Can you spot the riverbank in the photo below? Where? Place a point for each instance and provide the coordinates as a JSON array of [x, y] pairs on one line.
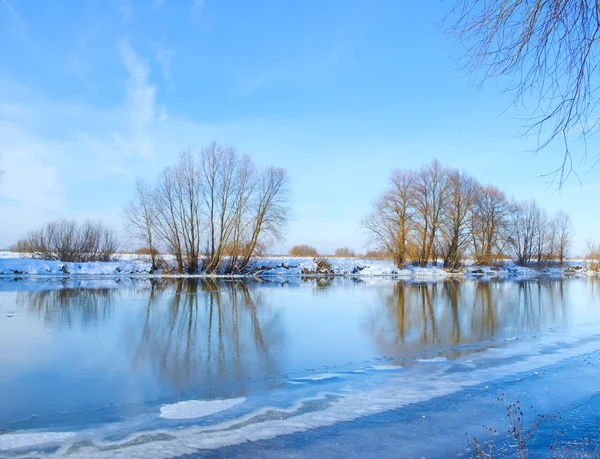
[[11, 264]]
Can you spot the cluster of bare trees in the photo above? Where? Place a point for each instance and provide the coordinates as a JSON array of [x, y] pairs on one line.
[[67, 240], [212, 211], [536, 238], [441, 213]]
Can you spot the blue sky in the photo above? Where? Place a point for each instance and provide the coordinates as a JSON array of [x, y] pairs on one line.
[[95, 93]]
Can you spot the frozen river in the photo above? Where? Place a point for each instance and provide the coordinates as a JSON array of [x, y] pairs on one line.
[[301, 368]]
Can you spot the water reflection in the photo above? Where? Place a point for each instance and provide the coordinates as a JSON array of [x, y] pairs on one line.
[[69, 305], [175, 335], [205, 332], [179, 333], [416, 316]]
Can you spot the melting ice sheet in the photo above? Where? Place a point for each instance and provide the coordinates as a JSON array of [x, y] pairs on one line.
[[189, 366], [302, 408]]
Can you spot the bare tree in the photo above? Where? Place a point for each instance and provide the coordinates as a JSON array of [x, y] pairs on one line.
[[549, 50], [169, 225], [244, 208], [221, 188], [544, 234], [457, 222], [523, 237], [219, 201], [68, 241], [490, 223], [389, 226], [269, 212], [563, 238], [431, 195], [140, 217], [178, 197]]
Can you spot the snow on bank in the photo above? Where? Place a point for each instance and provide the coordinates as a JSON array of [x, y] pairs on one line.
[[273, 267], [31, 267], [294, 266]]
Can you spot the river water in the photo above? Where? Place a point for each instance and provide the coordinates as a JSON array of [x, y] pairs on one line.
[[293, 368]]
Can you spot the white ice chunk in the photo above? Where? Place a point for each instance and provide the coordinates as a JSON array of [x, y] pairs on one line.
[[193, 409], [385, 367]]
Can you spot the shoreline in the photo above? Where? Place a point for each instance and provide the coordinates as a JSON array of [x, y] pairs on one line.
[[272, 268]]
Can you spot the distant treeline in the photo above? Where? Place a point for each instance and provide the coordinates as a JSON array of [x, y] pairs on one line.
[[215, 210], [441, 213]]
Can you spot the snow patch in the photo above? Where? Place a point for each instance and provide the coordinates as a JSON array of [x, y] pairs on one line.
[[318, 377], [193, 409], [385, 367]]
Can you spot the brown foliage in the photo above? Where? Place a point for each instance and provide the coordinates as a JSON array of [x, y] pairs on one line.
[[146, 251], [593, 255], [303, 251], [345, 252], [377, 255], [438, 212]]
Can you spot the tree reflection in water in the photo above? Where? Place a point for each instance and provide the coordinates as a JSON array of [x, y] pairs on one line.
[[70, 304], [191, 332], [452, 312], [206, 332]]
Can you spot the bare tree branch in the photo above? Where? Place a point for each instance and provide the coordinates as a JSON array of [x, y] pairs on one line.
[[549, 49]]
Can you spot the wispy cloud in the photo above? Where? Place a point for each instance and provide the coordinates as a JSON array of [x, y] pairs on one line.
[[158, 3], [125, 9], [76, 66], [164, 56], [197, 7], [140, 103], [16, 16]]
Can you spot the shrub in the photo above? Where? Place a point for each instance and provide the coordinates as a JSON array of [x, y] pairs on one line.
[[345, 252], [377, 255], [303, 251], [146, 251], [593, 255], [67, 240], [323, 266]]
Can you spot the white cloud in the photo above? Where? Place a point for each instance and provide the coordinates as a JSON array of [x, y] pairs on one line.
[[158, 3], [30, 179], [125, 10], [76, 66], [164, 56], [140, 104], [18, 21], [80, 160], [197, 7]]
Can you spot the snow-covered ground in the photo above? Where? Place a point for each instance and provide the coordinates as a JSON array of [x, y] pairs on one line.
[[12, 264]]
